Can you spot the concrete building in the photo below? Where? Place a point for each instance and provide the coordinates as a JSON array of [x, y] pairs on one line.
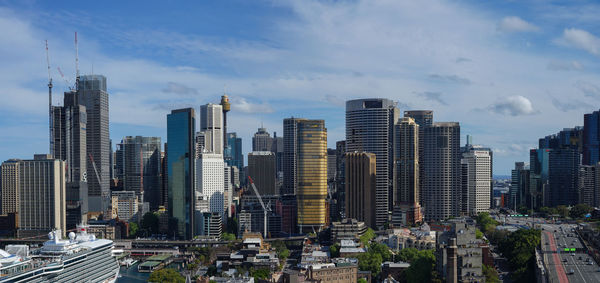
[[312, 175], [180, 169], [290, 155], [340, 178], [423, 118], [460, 254], [442, 169], [563, 167], [42, 192], [347, 229], [138, 165], [519, 186], [406, 171], [211, 122], [91, 93], [210, 225], [277, 148], [589, 185], [262, 140], [244, 222], [476, 179], [210, 181], [10, 185], [370, 128], [262, 170], [125, 205], [361, 187], [591, 138]]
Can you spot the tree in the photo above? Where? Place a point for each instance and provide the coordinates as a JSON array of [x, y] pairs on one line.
[[422, 268], [486, 223], [150, 223], [211, 271], [166, 275], [519, 248], [383, 250], [334, 250], [261, 273], [370, 234], [228, 237], [362, 280], [133, 229], [580, 210], [370, 262], [408, 254], [478, 234], [563, 211], [491, 275]]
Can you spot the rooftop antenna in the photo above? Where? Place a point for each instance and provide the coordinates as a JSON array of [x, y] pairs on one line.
[[76, 64], [50, 122]]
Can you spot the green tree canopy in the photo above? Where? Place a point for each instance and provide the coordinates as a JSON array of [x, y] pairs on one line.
[[370, 262], [408, 254], [261, 273], [362, 280], [491, 275], [580, 210], [563, 211], [519, 248], [150, 223], [422, 267], [383, 250], [334, 250], [166, 275], [370, 234], [485, 222], [133, 229], [228, 237]]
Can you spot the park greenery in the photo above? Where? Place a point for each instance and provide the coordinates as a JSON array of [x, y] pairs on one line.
[[422, 265], [519, 249], [228, 237], [367, 237], [490, 273], [282, 251], [166, 275], [371, 260]]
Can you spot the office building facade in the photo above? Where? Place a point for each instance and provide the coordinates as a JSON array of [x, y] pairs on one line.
[[290, 155], [360, 187], [9, 186], [181, 124], [234, 155], [441, 165], [369, 128], [262, 140], [406, 170], [262, 170], [476, 180], [211, 122], [210, 181]]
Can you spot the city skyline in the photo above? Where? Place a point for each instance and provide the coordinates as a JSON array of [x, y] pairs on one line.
[[494, 67]]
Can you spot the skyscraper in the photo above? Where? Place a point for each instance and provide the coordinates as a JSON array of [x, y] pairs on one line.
[[563, 167], [181, 124], [42, 192], [370, 128], [9, 186], [262, 141], [277, 148], [519, 186], [210, 181], [290, 155], [476, 162], [538, 176], [591, 138], [234, 154], [92, 94], [423, 118], [261, 168], [589, 185], [139, 167], [340, 178], [406, 170], [211, 122], [360, 187], [441, 164], [312, 175]]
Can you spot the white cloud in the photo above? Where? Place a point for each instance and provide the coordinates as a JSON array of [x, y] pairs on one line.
[[588, 89], [513, 105], [242, 105], [516, 24], [581, 39], [564, 66]]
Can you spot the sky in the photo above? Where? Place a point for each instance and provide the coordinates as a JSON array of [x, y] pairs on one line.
[[509, 71]]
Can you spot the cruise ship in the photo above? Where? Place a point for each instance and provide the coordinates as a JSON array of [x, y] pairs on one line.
[[81, 258]]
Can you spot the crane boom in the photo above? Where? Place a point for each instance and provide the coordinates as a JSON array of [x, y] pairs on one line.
[[50, 114], [95, 170], [265, 208]]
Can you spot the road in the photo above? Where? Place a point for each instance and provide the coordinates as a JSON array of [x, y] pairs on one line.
[[571, 266]]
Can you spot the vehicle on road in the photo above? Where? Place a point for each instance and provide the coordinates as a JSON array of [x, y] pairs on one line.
[[571, 271]]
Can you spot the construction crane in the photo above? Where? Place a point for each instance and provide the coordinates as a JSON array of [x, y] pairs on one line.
[[50, 118], [76, 64], [266, 209], [64, 78], [95, 170]]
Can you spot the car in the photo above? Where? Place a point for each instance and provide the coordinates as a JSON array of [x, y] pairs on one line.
[[590, 263], [580, 258], [564, 260], [572, 254], [571, 271], [547, 243]]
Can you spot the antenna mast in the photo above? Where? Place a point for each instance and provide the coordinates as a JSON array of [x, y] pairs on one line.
[[50, 118], [76, 64]]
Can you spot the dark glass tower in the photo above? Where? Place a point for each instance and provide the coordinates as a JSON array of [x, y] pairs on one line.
[[181, 124]]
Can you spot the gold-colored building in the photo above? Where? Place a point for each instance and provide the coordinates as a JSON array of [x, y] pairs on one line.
[[312, 174], [361, 187]]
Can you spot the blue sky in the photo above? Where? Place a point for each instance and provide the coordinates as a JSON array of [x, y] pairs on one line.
[[508, 71]]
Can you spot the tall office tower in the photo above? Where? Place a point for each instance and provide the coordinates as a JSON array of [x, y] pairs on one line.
[[92, 94], [70, 141], [42, 191], [589, 185], [261, 168], [340, 177], [360, 188], [519, 186], [406, 170], [262, 140], [210, 180], [331, 165], [538, 177], [234, 151], [164, 178], [290, 155], [181, 124], [211, 122], [476, 179], [441, 164], [9, 186], [332, 200], [370, 128], [139, 158], [423, 118], [563, 167], [201, 138], [591, 138], [312, 175], [235, 176], [227, 192], [277, 148]]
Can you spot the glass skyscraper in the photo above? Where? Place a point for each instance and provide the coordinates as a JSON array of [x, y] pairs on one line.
[[233, 152], [181, 124]]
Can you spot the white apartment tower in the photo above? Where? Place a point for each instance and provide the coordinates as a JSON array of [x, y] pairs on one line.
[[211, 123], [210, 180]]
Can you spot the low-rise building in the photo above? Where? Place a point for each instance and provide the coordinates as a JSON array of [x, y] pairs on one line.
[[468, 252], [347, 229]]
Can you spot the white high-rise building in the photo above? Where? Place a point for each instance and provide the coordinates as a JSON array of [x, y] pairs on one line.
[[210, 180], [476, 174], [211, 123]]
